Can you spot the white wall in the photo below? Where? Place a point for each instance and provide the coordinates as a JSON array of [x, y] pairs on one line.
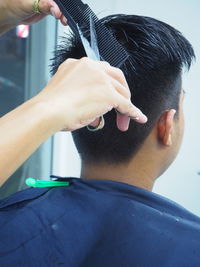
[[181, 182]]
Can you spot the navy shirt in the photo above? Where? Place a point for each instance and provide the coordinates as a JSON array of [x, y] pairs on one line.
[[96, 223]]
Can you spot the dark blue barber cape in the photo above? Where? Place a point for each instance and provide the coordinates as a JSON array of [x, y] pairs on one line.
[[96, 224]]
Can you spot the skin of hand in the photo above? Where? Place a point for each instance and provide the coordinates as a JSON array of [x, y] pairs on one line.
[[80, 92], [15, 12], [92, 88]]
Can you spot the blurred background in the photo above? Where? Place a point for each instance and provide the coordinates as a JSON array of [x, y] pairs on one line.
[[24, 70]]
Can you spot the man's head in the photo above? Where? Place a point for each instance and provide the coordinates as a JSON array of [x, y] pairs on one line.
[[158, 54]]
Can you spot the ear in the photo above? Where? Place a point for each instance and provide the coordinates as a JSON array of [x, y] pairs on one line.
[[165, 127]]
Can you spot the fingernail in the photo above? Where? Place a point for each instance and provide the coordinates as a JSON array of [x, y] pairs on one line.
[[142, 118], [53, 12], [135, 118]]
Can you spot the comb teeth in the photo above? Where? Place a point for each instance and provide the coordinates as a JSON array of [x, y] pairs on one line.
[[109, 48]]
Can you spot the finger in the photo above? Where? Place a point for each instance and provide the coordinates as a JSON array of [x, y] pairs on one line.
[[95, 123], [120, 88], [122, 122], [63, 20], [125, 107], [55, 11], [50, 7], [118, 75], [68, 64]]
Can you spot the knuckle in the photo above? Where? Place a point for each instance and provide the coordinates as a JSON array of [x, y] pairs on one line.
[[60, 67], [67, 62], [87, 63], [119, 72], [70, 60], [105, 63], [84, 59]]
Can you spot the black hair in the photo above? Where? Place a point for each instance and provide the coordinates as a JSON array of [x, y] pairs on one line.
[[158, 53]]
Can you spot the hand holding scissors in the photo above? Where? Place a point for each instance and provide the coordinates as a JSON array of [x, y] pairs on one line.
[[92, 52]]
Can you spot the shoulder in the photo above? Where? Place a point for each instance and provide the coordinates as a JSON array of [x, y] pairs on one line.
[[19, 221], [21, 196]]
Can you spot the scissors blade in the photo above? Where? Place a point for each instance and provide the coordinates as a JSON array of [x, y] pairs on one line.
[[88, 50], [91, 49]]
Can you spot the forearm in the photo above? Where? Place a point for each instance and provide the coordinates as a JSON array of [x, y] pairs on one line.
[[12, 12], [5, 17], [22, 132], [65, 103]]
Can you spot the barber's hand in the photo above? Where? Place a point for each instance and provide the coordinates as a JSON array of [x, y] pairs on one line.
[[21, 11], [83, 90]]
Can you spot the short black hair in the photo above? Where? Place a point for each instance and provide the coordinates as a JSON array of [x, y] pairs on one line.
[[158, 53]]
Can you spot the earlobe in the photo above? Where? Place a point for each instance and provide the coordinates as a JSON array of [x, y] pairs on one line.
[[165, 127], [168, 141]]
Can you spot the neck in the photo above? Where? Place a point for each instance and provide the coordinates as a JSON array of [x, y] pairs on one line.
[[142, 170], [133, 173]]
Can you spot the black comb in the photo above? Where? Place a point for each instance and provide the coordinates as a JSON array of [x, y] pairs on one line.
[[79, 13]]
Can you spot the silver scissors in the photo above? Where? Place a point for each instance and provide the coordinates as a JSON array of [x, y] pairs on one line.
[[92, 51]]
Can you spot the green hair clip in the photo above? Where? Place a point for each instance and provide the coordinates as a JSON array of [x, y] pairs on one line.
[[43, 183]]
